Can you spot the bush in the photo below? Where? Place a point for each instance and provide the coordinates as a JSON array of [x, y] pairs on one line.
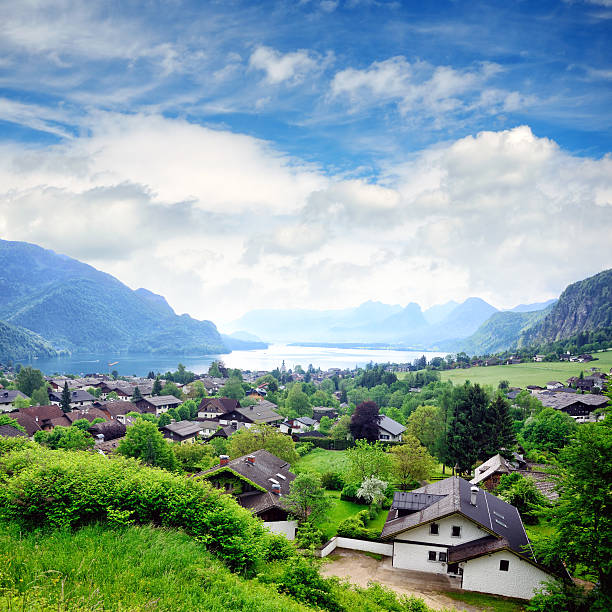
[[349, 493], [303, 448], [355, 527], [332, 481], [61, 489], [308, 535]]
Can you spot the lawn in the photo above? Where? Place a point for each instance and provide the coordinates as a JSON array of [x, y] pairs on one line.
[[486, 602], [529, 373], [320, 460]]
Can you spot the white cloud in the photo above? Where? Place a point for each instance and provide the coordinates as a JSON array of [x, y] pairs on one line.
[[279, 67]]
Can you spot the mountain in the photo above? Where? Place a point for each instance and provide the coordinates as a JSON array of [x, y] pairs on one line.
[[243, 341], [436, 314], [533, 307], [583, 306], [18, 343], [78, 308], [500, 332]]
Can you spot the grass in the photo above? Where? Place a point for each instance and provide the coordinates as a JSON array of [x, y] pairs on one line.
[[528, 373], [135, 568], [320, 460], [491, 603]]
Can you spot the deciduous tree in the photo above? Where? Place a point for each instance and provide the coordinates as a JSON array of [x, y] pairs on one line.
[[306, 499], [29, 379], [411, 462], [366, 460], [364, 422], [145, 442]]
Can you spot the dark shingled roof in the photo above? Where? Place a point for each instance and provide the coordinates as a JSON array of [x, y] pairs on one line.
[[8, 396], [26, 421], [9, 431], [453, 496], [218, 404], [184, 428], [118, 408], [43, 413], [110, 430], [262, 412]]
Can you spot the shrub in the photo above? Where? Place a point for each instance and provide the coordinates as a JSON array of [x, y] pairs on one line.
[[355, 527], [349, 493], [333, 481], [308, 535], [303, 448]]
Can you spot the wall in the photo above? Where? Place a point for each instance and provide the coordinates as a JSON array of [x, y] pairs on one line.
[[286, 528], [381, 548], [469, 531], [521, 580], [416, 557]]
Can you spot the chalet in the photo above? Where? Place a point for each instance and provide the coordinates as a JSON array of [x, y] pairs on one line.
[[183, 431], [554, 384], [42, 415], [10, 431], [118, 410], [225, 431], [78, 397], [8, 397], [258, 482], [262, 412], [488, 474], [88, 413], [390, 430], [215, 407], [299, 425], [158, 404], [452, 527], [580, 407]]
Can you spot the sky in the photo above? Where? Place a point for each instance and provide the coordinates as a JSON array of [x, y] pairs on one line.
[[235, 155]]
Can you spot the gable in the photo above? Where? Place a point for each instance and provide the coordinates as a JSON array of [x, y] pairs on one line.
[[469, 530]]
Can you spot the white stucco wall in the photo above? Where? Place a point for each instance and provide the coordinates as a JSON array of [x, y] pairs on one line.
[[469, 531], [416, 557], [382, 548], [286, 528], [521, 580]]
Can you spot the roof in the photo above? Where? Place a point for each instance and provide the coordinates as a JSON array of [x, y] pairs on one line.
[[562, 400], [8, 396], [162, 400], [9, 431], [118, 408], [453, 496], [307, 421], [219, 404], [184, 428], [110, 430], [76, 395], [26, 421], [43, 413], [393, 427], [260, 412], [496, 464], [227, 430], [87, 413]]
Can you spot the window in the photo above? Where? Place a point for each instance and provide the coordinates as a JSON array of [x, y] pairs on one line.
[[504, 565], [456, 531], [442, 557], [432, 555], [384, 437], [434, 529]]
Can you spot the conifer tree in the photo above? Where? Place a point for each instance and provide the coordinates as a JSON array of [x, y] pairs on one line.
[[157, 387], [65, 402], [137, 395]]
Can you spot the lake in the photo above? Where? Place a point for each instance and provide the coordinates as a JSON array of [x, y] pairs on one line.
[[261, 359]]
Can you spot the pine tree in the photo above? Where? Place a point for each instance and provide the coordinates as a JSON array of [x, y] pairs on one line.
[[502, 425], [65, 402], [157, 387], [137, 395]]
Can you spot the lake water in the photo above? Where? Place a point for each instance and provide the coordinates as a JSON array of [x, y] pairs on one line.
[[262, 359]]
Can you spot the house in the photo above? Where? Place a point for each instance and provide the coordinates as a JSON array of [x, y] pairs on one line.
[[118, 410], [258, 482], [453, 527], [390, 430], [89, 413], [492, 361], [513, 360], [214, 407], [300, 425], [225, 431], [554, 384], [42, 415], [109, 430], [8, 397], [10, 431], [262, 412], [78, 397], [158, 404], [28, 422], [489, 473], [539, 358], [580, 407], [320, 411], [183, 431]]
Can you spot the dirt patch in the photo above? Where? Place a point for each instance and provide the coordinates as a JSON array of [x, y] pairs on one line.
[[359, 569]]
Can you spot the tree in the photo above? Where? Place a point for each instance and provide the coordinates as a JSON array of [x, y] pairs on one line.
[[297, 401], [522, 493], [214, 370], [426, 423], [65, 401], [411, 462], [325, 425], [198, 390], [246, 441], [82, 424], [498, 433], [372, 490], [233, 388], [341, 429], [366, 460], [67, 438], [29, 379], [581, 517], [164, 419], [40, 397], [306, 499], [364, 422], [184, 412], [549, 430], [145, 442], [171, 389], [21, 402], [137, 395], [157, 387]]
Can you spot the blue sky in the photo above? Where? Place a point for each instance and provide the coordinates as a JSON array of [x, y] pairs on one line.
[[314, 153]]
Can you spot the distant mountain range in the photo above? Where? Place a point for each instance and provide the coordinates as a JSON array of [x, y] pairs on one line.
[[52, 302]]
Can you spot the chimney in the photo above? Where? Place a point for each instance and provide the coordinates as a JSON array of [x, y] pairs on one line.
[[473, 494], [223, 459], [100, 437], [276, 489], [251, 459]]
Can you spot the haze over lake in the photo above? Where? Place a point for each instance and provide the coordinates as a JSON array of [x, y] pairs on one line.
[[263, 359]]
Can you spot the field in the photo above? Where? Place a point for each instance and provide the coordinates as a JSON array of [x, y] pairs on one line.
[[320, 460], [530, 373]]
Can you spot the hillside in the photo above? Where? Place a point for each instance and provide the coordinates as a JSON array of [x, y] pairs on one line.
[[19, 343], [78, 308], [583, 306]]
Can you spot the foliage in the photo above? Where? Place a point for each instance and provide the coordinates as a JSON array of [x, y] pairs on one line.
[[29, 379], [5, 419], [341, 430], [157, 387], [549, 430], [355, 527], [411, 462], [366, 460], [137, 395], [233, 388], [194, 457], [65, 399], [308, 535], [40, 397], [333, 481], [303, 448], [555, 596], [350, 493], [297, 402], [364, 422], [246, 441], [21, 402], [425, 423], [306, 499], [145, 442], [67, 438], [214, 370], [19, 343], [164, 419], [170, 388], [82, 424], [372, 490], [522, 493], [325, 424], [582, 518]]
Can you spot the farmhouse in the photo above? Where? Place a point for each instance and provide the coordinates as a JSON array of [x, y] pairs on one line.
[[258, 482], [580, 407], [158, 404], [452, 527]]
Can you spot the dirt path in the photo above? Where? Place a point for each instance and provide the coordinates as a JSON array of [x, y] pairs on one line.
[[360, 569]]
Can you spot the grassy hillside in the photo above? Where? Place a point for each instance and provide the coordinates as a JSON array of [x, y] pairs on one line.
[[529, 373]]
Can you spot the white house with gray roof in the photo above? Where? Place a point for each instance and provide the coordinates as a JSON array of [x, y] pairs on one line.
[[452, 527], [390, 430]]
